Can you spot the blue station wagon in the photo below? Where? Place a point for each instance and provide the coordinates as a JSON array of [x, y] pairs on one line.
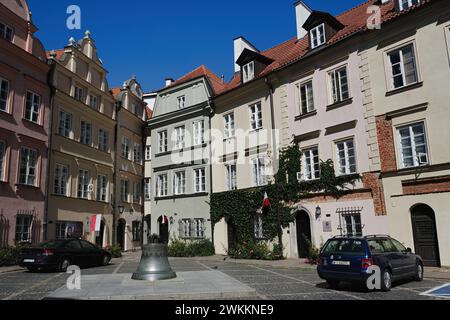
[[349, 258]]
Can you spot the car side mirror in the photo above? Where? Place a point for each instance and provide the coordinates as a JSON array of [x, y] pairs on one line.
[[409, 250]]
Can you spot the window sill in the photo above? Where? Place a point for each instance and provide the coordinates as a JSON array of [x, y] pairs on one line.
[[33, 123], [19, 185], [306, 115], [339, 104], [229, 138], [162, 154], [193, 195], [404, 89], [255, 130]]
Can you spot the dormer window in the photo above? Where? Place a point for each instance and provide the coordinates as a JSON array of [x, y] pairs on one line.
[[248, 72], [6, 32], [317, 35], [406, 4], [181, 102]]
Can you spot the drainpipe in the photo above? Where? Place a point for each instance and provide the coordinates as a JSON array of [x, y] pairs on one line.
[[211, 114], [115, 202]]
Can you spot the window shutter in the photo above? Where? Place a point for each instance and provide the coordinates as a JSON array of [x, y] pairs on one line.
[[181, 229]]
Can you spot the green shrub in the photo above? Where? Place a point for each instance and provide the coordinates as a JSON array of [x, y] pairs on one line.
[[256, 251], [9, 256], [313, 252], [196, 248], [115, 251]]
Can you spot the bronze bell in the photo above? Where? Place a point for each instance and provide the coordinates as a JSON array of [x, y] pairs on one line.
[[154, 264]]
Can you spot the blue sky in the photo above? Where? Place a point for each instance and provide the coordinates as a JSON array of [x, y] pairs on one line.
[[159, 39]]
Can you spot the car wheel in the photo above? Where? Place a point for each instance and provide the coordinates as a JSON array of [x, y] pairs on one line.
[[64, 264], [333, 284], [386, 281], [106, 259], [419, 272]]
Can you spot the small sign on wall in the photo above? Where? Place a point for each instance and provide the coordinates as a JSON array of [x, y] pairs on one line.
[[327, 226]]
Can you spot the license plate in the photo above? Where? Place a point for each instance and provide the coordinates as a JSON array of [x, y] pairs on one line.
[[28, 260], [341, 263]]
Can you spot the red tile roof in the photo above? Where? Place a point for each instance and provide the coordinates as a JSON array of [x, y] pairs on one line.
[[354, 20], [115, 91], [216, 83], [149, 113]]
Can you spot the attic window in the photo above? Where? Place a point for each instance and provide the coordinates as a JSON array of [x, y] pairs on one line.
[[6, 32], [317, 36], [406, 4], [248, 72]]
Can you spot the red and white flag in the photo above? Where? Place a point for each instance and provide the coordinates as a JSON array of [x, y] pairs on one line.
[[165, 220], [266, 203]]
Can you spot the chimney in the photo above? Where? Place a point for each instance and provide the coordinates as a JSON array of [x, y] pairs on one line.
[[240, 44], [169, 81], [302, 13]]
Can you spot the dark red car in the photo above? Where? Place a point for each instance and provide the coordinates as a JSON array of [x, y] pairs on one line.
[[60, 254]]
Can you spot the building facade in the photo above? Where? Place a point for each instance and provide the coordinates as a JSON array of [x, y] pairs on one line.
[[24, 127], [180, 157], [82, 145]]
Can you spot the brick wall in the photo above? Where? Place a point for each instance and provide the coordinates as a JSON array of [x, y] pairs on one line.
[[427, 185], [371, 180], [386, 144]]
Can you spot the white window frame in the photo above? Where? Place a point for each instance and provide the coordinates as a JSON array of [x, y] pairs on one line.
[[346, 168], [336, 85], [61, 181], [103, 140], [162, 185], [200, 180], [199, 228], [309, 172], [126, 148], [94, 101], [102, 188], [24, 225], [180, 137], [179, 182], [65, 124], [162, 141], [181, 102], [86, 133], [199, 132], [318, 36], [4, 28], [401, 63], [148, 153], [256, 117], [125, 191], [229, 126], [231, 169], [248, 72], [33, 107], [28, 174], [353, 225], [259, 172], [5, 100], [79, 93], [415, 155], [147, 188], [84, 180], [309, 107], [2, 159]]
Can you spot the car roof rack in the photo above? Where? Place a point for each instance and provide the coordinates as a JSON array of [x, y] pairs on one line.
[[378, 236]]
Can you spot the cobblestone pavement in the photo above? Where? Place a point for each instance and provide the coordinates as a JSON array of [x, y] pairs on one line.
[[271, 282]]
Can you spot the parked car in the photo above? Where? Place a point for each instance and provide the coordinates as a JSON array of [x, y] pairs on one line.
[[60, 254], [349, 258]]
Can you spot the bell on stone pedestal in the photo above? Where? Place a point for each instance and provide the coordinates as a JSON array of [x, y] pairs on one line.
[[154, 264]]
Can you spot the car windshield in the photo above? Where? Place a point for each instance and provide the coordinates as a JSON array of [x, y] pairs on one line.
[[344, 246], [51, 244]]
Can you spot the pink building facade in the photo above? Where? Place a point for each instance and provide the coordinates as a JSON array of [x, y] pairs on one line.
[[24, 127]]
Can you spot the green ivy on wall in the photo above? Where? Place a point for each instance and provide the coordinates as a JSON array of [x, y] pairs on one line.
[[240, 207]]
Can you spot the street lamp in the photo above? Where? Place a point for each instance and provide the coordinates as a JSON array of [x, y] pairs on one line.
[[318, 212], [121, 209]]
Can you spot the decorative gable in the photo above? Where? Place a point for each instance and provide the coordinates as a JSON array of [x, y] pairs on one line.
[[321, 27], [252, 63]]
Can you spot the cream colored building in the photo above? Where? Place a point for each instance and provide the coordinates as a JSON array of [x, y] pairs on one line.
[[407, 77], [82, 145]]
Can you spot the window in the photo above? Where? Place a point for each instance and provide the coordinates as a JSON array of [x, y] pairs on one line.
[[84, 179], [65, 124], [162, 141], [248, 72], [23, 228], [231, 177], [200, 180], [79, 94], [2, 159], [102, 188], [126, 148], [179, 136], [137, 154], [32, 107], [103, 138], [339, 85], [161, 185], [403, 67], [28, 162], [400, 247], [6, 32], [346, 157], [229, 125], [311, 164], [258, 228], [192, 228], [124, 184], [181, 102], [4, 94], [61, 179], [199, 228], [148, 153], [93, 101], [136, 192], [353, 225], [86, 133], [256, 116], [306, 97], [317, 36], [406, 4], [185, 230], [179, 184], [259, 172], [413, 145], [136, 229], [147, 188], [199, 132]]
